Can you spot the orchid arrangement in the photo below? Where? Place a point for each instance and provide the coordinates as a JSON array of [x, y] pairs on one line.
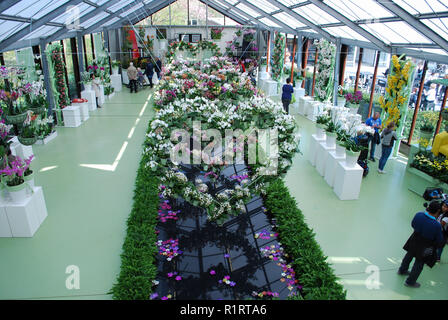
[[14, 171], [216, 33], [325, 68], [355, 98]]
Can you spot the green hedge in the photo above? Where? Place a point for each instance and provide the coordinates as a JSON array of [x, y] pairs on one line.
[[309, 263], [138, 260]]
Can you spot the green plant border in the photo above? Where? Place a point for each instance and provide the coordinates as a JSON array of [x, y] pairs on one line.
[[313, 271]]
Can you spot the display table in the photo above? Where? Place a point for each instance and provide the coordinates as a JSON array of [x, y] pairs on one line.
[[347, 181], [101, 97], [313, 109], [322, 153], [302, 105], [270, 87], [115, 81], [20, 150], [330, 166], [312, 150], [22, 219], [91, 99], [48, 138], [72, 116]]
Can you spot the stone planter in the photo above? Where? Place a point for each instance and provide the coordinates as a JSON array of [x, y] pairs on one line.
[[351, 158], [353, 107], [419, 181], [15, 119], [331, 139], [27, 141], [17, 193], [340, 149], [39, 110]]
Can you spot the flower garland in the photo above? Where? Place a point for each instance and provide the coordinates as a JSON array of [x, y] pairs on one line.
[[193, 49], [279, 56], [325, 69], [220, 97], [58, 64], [395, 101]]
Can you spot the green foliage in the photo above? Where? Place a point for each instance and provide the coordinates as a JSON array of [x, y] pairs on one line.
[[315, 274], [138, 260], [332, 127], [427, 126], [351, 145], [323, 119]]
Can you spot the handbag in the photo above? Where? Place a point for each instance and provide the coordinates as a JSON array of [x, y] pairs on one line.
[[293, 99]]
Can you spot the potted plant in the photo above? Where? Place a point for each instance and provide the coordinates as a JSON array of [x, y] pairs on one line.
[[341, 138], [331, 132], [426, 130], [38, 105], [12, 178], [108, 91], [14, 111], [28, 135], [341, 96], [353, 101], [321, 123], [86, 80], [352, 152], [28, 174], [216, 33], [115, 67]]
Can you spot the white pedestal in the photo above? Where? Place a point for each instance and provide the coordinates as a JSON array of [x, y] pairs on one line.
[[124, 75], [270, 87], [302, 106], [313, 109], [72, 116], [299, 92], [23, 219], [321, 156], [84, 110], [101, 97], [347, 181], [48, 138], [263, 75], [330, 166], [90, 97], [312, 151], [20, 150], [115, 81]]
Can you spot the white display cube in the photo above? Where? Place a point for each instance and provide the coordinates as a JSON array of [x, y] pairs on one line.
[[101, 97], [330, 166], [294, 108], [116, 83], [302, 106], [321, 157], [312, 151], [299, 92], [271, 88], [124, 75], [347, 181], [263, 74], [48, 138], [313, 109], [72, 116], [90, 97], [5, 229], [84, 110]]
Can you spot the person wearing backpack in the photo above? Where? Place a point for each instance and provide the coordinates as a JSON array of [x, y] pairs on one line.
[[388, 136], [443, 220], [422, 244]]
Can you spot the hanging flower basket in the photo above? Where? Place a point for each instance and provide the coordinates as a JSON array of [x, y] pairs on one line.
[[27, 141], [16, 119]]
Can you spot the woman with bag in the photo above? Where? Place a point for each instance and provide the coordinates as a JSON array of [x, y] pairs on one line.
[[388, 136], [287, 92]]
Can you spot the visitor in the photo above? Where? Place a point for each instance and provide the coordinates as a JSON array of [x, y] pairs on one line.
[[96, 87], [388, 136], [150, 72], [158, 68], [287, 92], [431, 97], [132, 75], [141, 78], [375, 123], [443, 220], [422, 244]]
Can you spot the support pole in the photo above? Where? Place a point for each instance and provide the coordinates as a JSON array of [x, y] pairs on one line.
[[46, 72], [439, 122], [343, 64], [336, 70], [316, 57], [293, 56], [76, 69], [268, 54], [81, 53], [419, 99], [361, 51], [306, 43], [372, 90]]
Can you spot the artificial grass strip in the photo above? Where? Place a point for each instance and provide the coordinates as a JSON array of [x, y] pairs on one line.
[[138, 260], [308, 261]]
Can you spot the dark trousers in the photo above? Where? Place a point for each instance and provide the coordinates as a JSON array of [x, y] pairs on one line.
[[133, 85], [150, 80], [372, 147], [286, 105], [158, 75], [385, 153], [416, 269]]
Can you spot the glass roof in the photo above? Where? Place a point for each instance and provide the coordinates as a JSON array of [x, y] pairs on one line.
[[375, 17]]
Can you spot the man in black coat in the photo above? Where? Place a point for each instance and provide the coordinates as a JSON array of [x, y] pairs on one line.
[[158, 67], [422, 244], [149, 71]]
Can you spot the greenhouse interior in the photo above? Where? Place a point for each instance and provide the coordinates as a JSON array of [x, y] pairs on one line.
[[140, 139]]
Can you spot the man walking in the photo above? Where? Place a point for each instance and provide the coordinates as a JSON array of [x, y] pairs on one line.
[[150, 72], [132, 75], [422, 244], [375, 123], [158, 67]]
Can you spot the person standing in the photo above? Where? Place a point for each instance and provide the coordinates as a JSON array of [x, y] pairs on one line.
[[96, 87], [150, 72], [158, 68], [443, 220], [287, 91], [375, 123], [388, 136], [431, 97], [422, 244], [132, 75]]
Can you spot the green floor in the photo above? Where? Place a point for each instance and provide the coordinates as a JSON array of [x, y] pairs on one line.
[[88, 174]]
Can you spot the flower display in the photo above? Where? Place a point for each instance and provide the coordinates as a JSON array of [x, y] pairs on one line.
[[54, 51], [354, 98], [169, 248], [399, 85], [14, 171], [325, 69], [193, 49], [278, 56], [436, 167], [216, 33]]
